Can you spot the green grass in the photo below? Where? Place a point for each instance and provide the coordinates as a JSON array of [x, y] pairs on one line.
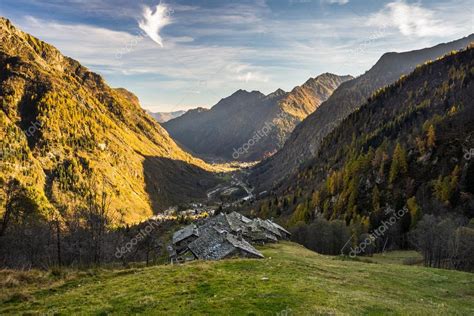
[[291, 279], [398, 257]]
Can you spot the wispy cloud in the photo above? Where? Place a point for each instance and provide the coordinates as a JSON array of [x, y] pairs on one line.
[[340, 2], [251, 76], [215, 49], [411, 20], [247, 73], [154, 21]]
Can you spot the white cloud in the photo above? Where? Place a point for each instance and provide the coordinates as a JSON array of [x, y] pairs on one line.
[[154, 21], [91, 45], [411, 20], [246, 73], [214, 51], [340, 2], [251, 76]]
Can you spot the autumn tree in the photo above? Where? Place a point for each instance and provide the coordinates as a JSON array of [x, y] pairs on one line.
[[431, 137], [301, 214], [444, 187], [399, 164], [415, 211]]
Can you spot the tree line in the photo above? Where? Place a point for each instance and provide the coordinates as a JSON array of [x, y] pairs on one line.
[[89, 237]]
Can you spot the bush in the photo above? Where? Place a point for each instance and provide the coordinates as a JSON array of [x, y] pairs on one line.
[[323, 236], [445, 242]]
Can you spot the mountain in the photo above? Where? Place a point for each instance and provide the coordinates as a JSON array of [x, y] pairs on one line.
[[410, 145], [304, 143], [249, 126], [66, 136], [162, 117]]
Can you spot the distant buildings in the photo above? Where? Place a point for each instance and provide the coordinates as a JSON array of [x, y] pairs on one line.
[[224, 236], [197, 211]]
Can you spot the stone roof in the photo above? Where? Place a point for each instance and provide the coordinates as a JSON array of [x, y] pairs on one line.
[[279, 227], [215, 244], [242, 244], [259, 235], [184, 233], [211, 245], [235, 221], [223, 236], [219, 221], [244, 219], [266, 225]]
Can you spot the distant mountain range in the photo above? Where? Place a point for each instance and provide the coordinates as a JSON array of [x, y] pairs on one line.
[[249, 126], [162, 117], [63, 129], [304, 143]]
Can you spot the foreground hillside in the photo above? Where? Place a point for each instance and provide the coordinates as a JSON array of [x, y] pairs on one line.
[[290, 279], [65, 135], [257, 123]]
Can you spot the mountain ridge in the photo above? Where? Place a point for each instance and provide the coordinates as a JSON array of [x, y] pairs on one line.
[[64, 126], [303, 143], [405, 149], [162, 117], [237, 119]]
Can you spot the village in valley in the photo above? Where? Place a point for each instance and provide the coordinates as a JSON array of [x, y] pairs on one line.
[[215, 230]]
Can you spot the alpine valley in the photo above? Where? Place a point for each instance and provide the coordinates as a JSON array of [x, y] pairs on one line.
[[345, 195]]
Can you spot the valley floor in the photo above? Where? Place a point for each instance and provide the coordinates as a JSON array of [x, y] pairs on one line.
[[291, 280]]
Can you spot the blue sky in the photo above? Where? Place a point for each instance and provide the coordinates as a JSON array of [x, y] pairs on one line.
[[184, 54]]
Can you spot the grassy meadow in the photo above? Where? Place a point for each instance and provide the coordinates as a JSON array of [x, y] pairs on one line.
[[291, 280]]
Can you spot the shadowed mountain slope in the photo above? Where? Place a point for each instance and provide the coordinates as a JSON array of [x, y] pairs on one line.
[[408, 146], [304, 142], [257, 124]]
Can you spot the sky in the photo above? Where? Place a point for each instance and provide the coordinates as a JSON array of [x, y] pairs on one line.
[[180, 54]]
